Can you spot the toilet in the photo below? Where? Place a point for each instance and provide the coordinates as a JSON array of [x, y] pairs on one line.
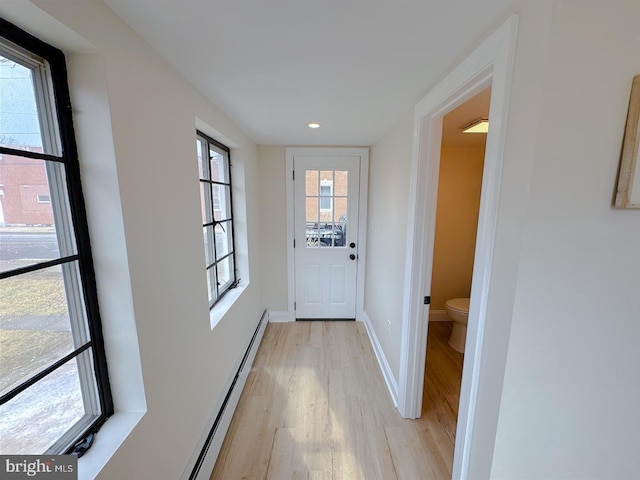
[[458, 311]]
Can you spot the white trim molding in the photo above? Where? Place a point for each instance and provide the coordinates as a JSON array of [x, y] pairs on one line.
[[280, 317], [439, 316], [203, 458], [387, 373], [491, 64], [363, 153]]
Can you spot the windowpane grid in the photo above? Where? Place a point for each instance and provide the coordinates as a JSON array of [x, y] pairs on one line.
[[52, 392], [217, 215], [326, 208]]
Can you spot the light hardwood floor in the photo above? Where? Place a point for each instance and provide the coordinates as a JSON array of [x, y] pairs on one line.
[[316, 407]]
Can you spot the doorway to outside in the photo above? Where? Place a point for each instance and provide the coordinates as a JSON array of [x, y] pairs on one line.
[[326, 213]]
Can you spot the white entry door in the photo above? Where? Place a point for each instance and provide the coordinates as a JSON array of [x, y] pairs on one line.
[[326, 195]]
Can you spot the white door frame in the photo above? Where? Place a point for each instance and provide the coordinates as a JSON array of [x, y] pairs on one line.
[[490, 64], [363, 153]]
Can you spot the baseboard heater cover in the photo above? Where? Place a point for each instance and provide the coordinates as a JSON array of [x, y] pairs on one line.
[[202, 457]]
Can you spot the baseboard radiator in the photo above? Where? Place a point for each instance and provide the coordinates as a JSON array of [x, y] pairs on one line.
[[206, 458]]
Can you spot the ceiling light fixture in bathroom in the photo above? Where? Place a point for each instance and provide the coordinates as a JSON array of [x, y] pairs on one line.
[[313, 125], [480, 125]]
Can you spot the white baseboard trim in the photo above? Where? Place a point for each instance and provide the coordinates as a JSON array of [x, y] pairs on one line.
[[439, 316], [390, 380], [204, 457], [279, 317]]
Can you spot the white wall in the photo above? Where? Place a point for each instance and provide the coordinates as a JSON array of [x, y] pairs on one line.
[[150, 170], [389, 167], [569, 406], [273, 226], [459, 185]]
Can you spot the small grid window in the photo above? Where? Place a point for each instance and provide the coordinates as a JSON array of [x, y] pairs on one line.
[[54, 385], [326, 208], [217, 216]]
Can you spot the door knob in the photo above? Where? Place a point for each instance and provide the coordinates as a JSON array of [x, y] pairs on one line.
[[352, 256], [352, 245]]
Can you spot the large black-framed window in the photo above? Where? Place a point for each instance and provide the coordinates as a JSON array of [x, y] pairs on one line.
[[214, 164], [54, 385]]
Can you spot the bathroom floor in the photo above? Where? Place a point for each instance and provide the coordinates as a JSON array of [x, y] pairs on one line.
[[443, 375]]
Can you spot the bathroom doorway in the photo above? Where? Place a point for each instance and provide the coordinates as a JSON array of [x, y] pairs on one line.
[[458, 203], [490, 64]]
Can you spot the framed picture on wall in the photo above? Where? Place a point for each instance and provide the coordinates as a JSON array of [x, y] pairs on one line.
[[628, 190]]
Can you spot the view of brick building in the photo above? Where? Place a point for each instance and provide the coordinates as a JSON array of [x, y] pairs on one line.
[[326, 206], [25, 198], [24, 192]]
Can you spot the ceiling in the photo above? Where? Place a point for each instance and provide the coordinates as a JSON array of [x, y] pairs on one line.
[[453, 122], [273, 66]]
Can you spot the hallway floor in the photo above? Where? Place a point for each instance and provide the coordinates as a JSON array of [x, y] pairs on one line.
[[316, 407]]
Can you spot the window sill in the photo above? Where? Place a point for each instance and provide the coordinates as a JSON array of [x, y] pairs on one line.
[[108, 440], [221, 308]]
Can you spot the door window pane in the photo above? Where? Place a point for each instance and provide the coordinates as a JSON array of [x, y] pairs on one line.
[[326, 234], [340, 186], [340, 210], [326, 176], [311, 233], [326, 214], [312, 214], [311, 183], [325, 197]]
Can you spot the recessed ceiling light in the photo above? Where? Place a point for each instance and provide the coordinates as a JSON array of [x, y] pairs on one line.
[[313, 125], [480, 125]]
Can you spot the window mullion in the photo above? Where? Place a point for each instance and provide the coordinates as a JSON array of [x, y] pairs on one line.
[[60, 208], [47, 117], [77, 318], [41, 374], [73, 287]]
